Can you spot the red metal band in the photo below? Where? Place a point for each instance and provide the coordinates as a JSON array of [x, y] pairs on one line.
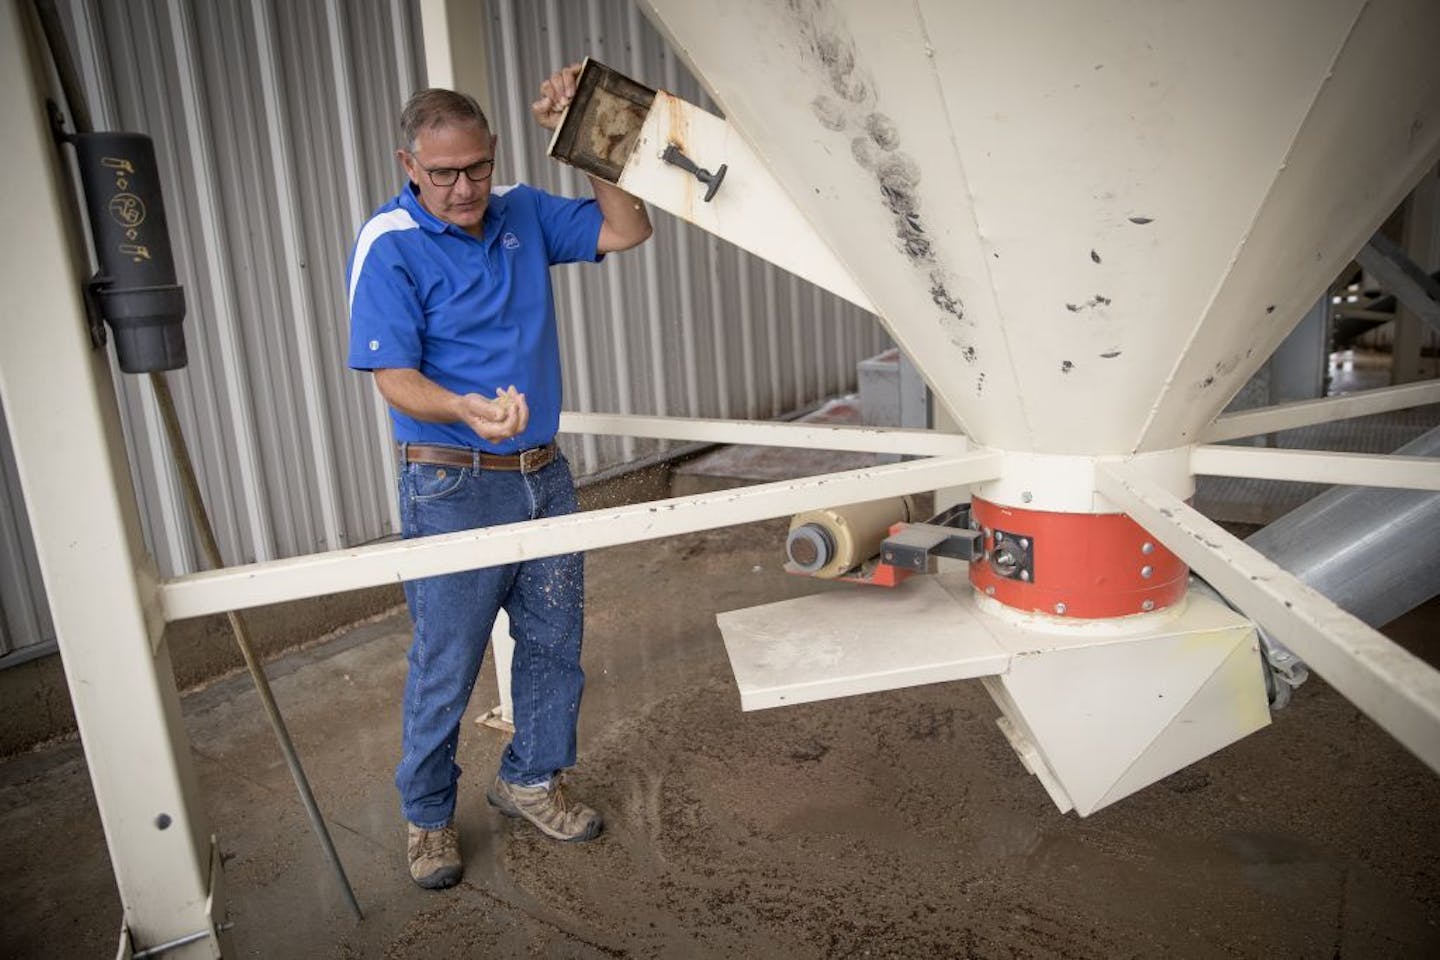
[[1080, 565]]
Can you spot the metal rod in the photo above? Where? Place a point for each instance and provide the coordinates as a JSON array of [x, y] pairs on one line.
[[211, 549], [64, 65], [178, 942]]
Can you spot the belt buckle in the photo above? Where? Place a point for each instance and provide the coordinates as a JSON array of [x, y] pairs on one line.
[[534, 459]]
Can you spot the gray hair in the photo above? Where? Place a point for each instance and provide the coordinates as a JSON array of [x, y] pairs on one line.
[[435, 107]]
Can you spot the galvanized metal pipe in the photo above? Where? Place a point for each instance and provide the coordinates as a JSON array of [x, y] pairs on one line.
[[1372, 551]]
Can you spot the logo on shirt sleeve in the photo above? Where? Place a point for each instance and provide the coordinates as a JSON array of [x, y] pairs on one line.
[[374, 345], [510, 241]]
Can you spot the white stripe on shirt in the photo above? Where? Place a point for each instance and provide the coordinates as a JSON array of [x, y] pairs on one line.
[[374, 229]]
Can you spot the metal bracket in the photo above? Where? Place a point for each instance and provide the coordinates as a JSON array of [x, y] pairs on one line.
[[1283, 670], [94, 316], [947, 534], [216, 933], [1012, 556]]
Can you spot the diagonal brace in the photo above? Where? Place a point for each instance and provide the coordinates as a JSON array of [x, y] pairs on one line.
[[1398, 273], [1394, 688], [251, 585]]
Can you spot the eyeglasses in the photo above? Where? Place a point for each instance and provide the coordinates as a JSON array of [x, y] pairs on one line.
[[477, 172]]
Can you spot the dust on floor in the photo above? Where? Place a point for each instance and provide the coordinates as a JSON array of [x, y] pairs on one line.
[[891, 825]]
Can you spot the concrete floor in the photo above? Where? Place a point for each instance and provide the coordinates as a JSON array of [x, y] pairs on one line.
[[891, 825]]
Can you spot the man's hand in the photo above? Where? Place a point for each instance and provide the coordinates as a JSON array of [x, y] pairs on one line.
[[494, 420], [556, 92]]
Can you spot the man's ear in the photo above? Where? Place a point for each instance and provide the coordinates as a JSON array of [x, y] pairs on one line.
[[408, 163]]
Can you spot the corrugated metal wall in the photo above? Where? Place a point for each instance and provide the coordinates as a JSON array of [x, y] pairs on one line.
[[274, 129], [273, 124]]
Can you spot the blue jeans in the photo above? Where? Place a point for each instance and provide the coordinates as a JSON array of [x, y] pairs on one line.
[[453, 615]]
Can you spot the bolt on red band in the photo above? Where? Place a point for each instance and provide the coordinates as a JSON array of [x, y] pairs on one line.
[[1073, 564]]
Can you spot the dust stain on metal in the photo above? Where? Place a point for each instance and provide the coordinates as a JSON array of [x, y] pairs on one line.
[[943, 298], [1141, 221], [1066, 366], [969, 354], [1094, 256], [980, 385], [896, 173], [830, 113], [1099, 300], [1110, 355], [882, 131]]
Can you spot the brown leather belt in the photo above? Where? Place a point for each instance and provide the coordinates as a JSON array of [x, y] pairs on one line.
[[526, 461]]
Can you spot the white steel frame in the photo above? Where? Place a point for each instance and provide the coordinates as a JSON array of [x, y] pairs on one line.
[[60, 404], [110, 610], [1399, 691]]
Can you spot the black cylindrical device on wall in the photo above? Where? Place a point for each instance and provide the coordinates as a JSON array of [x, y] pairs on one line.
[[135, 288]]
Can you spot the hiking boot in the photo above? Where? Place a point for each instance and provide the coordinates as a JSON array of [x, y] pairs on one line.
[[435, 857], [546, 806]]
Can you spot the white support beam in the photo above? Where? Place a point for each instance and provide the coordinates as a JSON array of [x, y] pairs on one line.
[[454, 34], [1318, 466], [1397, 690], [1288, 416], [59, 401], [805, 436], [236, 588]]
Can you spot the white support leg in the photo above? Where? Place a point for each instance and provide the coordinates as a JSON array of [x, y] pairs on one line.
[[1397, 690], [502, 648], [65, 428]]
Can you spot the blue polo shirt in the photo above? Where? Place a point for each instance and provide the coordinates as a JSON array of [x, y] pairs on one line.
[[472, 315]]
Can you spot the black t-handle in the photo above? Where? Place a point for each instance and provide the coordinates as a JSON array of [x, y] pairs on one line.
[[676, 157]]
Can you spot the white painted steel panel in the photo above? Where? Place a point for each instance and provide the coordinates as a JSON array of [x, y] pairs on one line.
[[857, 640], [1088, 224]]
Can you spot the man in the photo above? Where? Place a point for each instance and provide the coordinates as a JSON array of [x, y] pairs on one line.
[[451, 308]]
